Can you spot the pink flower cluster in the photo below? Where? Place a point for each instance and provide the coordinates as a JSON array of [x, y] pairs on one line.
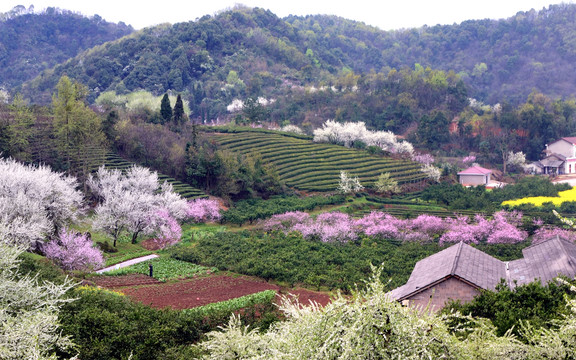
[[502, 228], [202, 210], [468, 160], [545, 233], [327, 227], [287, 221], [169, 231], [73, 251], [425, 159]]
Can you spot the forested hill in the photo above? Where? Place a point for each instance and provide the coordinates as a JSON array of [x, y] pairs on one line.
[[251, 52], [32, 42], [498, 59]]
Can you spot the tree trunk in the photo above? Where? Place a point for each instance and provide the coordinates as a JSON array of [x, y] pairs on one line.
[[135, 236]]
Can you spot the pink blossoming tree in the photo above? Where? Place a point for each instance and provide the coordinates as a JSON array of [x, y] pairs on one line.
[[202, 210], [168, 230], [73, 251]]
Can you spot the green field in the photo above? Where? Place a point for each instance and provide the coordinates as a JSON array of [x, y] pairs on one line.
[[309, 166]]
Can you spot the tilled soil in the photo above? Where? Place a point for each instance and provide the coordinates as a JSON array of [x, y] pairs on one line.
[[189, 293]]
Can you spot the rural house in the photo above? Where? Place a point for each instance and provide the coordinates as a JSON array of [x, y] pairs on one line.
[[560, 158], [461, 271], [475, 175]]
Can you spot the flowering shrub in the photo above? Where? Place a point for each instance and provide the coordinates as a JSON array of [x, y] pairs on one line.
[[381, 225], [545, 233], [502, 229], [202, 210], [328, 227], [73, 251], [339, 227], [287, 221], [293, 129], [431, 225], [424, 159]]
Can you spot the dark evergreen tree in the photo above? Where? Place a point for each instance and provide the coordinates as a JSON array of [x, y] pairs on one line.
[[165, 109], [179, 115]]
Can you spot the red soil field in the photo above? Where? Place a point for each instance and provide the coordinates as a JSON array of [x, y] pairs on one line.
[[199, 291]]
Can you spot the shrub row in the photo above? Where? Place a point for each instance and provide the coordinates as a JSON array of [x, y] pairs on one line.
[[226, 307], [301, 163], [254, 209]]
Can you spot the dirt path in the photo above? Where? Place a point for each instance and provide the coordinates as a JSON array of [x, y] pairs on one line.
[[127, 263]]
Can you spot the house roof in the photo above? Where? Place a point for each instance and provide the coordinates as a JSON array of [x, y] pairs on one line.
[[462, 261], [570, 139], [543, 261], [475, 170]]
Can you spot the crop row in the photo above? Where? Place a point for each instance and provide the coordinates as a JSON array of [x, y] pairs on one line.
[[229, 306], [114, 161], [310, 166]]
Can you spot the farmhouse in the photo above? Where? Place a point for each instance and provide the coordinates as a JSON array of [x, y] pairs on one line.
[[560, 158], [475, 175], [461, 271]]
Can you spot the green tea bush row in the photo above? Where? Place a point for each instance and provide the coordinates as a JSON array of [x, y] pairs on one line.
[[232, 305], [254, 209]]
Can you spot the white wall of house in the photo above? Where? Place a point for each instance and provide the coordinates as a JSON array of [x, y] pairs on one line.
[[563, 148], [472, 179]]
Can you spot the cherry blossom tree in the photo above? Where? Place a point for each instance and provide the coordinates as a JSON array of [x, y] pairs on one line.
[[348, 184], [131, 201], [73, 251], [35, 202], [168, 230], [349, 132], [202, 210], [286, 222]]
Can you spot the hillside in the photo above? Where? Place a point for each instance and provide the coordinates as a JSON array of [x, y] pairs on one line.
[[32, 42], [309, 166], [252, 52]]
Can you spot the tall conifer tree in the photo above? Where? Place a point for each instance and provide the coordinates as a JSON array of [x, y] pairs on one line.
[[165, 109], [179, 115]]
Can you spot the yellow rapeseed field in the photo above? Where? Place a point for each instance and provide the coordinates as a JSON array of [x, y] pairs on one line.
[[568, 195]]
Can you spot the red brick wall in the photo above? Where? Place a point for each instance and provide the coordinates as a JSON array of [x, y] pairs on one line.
[[439, 294]]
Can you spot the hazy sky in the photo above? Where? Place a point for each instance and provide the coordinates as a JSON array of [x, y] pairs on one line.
[[385, 14]]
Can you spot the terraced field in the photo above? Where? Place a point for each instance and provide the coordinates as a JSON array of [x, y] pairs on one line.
[[310, 166], [114, 161]]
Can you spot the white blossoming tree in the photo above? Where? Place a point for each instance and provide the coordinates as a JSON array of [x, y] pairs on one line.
[[130, 202], [35, 202], [347, 133], [348, 184]]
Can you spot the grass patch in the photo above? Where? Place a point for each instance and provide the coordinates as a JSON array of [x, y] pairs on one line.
[[165, 269]]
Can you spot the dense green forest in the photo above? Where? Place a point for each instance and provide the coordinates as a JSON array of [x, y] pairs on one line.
[[252, 52], [31, 42]]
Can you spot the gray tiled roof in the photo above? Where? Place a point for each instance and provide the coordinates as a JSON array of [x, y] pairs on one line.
[[543, 261], [461, 260], [546, 260]]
